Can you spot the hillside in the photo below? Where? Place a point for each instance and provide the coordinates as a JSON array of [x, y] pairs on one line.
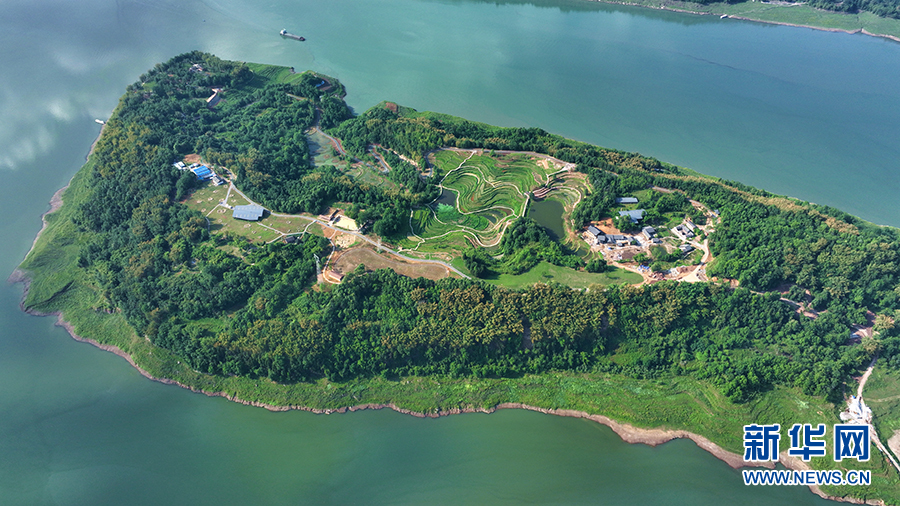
[[144, 257]]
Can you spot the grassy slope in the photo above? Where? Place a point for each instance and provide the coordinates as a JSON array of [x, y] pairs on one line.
[[670, 402], [545, 273]]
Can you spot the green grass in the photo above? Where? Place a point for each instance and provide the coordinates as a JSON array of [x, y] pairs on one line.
[[545, 272], [271, 73], [882, 394]]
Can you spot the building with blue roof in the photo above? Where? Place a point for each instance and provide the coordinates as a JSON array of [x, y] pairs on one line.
[[202, 172]]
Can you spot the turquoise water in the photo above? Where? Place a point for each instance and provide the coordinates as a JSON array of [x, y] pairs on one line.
[[800, 112]]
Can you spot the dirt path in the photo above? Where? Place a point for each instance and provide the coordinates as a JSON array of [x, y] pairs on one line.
[[865, 377], [875, 438], [327, 226]]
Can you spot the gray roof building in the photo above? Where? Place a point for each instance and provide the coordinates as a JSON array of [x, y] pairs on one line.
[[249, 212], [635, 215], [626, 200], [594, 231]]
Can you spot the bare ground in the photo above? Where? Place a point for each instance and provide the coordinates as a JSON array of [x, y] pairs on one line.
[[348, 260]]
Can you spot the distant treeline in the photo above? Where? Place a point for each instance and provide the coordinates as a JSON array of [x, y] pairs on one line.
[[883, 8]]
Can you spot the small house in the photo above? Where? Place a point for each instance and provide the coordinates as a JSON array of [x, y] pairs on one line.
[[626, 200]]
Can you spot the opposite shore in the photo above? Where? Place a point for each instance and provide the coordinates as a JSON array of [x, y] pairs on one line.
[[757, 20], [628, 433]]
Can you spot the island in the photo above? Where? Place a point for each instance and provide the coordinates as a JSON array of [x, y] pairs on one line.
[[238, 231]]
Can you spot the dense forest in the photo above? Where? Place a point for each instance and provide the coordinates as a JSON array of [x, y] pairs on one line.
[[385, 324], [524, 245], [254, 313]]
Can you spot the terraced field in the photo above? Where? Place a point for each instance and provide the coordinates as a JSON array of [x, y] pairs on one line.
[[484, 192]]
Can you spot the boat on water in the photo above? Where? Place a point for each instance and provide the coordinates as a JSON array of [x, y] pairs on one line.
[[285, 33], [723, 16]]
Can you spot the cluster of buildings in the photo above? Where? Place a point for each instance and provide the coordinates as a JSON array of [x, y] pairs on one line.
[[601, 238], [645, 238], [685, 230], [635, 215], [202, 172]]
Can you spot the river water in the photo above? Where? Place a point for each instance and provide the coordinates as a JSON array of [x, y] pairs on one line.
[[799, 112]]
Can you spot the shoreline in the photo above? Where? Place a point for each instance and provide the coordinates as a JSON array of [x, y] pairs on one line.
[[744, 18], [628, 433], [56, 201]]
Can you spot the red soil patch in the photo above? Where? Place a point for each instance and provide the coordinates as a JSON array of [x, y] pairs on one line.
[[606, 226], [348, 260]]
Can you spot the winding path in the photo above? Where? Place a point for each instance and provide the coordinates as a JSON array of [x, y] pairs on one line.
[[872, 432], [378, 245], [504, 223]]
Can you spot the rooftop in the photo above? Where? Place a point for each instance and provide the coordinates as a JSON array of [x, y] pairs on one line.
[[635, 215], [248, 212]]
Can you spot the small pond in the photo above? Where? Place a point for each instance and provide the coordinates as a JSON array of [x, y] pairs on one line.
[[549, 214]]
